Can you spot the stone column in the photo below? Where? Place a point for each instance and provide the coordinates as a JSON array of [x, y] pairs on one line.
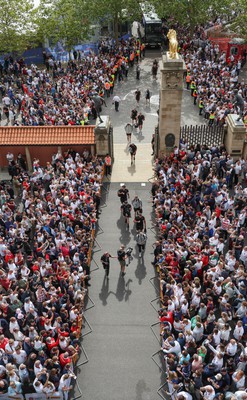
[[28, 158], [102, 135], [172, 71], [235, 137]]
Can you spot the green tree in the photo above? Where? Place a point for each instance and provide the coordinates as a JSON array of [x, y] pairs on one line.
[[17, 25], [238, 21], [65, 20], [192, 12], [116, 12]]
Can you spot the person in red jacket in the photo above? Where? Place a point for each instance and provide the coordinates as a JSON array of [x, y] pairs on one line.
[[64, 359], [167, 316], [51, 342]]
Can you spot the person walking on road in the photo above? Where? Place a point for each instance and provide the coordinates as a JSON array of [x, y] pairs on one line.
[[140, 222], [116, 100], [133, 116], [138, 71], [137, 205], [121, 255], [140, 119], [147, 97], [105, 260], [128, 129], [132, 150], [138, 96], [155, 69], [141, 239], [123, 194], [126, 212]]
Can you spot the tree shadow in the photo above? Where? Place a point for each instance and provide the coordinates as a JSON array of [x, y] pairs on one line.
[[104, 294]]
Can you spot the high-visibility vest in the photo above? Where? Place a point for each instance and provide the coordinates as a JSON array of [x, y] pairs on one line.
[[188, 78], [211, 116], [132, 56], [195, 93], [111, 83], [107, 86], [201, 104], [192, 85]]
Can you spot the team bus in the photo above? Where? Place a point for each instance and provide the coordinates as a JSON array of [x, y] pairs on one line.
[[150, 29]]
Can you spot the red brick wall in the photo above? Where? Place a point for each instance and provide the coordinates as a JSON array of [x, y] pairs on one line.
[[43, 153]]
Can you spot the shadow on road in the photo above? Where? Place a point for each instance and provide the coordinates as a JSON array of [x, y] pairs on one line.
[[104, 294]]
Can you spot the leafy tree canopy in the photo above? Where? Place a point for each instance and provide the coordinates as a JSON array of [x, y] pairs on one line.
[[65, 20], [192, 12], [17, 25]]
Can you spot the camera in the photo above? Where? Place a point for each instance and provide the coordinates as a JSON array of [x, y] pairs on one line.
[[129, 251]]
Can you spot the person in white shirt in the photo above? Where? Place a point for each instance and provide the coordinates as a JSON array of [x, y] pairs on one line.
[[174, 348], [184, 396], [11, 346], [238, 331], [38, 386], [19, 355], [64, 386], [231, 348], [208, 392], [198, 332]]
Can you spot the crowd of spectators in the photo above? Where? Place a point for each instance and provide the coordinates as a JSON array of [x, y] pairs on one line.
[[47, 220], [201, 255], [71, 94], [212, 78]]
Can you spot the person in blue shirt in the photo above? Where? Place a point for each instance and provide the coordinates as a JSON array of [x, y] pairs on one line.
[[14, 388]]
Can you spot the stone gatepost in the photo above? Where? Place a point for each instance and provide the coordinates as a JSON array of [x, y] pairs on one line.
[[172, 72], [103, 136], [235, 137]]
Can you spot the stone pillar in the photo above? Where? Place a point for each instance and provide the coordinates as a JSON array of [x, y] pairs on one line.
[[102, 131], [172, 71], [28, 158], [235, 137]]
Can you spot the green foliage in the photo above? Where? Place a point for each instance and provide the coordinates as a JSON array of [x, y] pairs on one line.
[[192, 12], [238, 24], [115, 11], [17, 25], [65, 20]]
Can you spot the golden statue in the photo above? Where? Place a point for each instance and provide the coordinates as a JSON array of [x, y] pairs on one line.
[[173, 43]]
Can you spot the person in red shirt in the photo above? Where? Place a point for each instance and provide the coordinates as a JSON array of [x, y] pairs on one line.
[[64, 359], [51, 342], [3, 342], [167, 316]]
